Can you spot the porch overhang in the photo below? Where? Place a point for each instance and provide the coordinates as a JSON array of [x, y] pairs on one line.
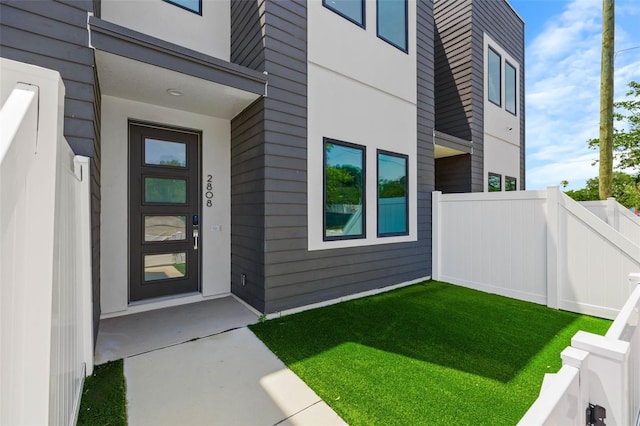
[[135, 66], [446, 145]]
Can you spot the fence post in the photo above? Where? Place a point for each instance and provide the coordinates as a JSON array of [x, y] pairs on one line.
[[435, 235], [613, 216], [553, 195]]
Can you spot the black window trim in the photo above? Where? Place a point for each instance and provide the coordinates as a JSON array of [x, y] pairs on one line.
[[362, 25], [499, 176], [405, 49], [515, 88], [363, 149], [181, 6], [499, 77], [406, 191], [515, 181]]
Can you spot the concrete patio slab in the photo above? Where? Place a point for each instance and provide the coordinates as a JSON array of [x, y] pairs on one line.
[[128, 335], [228, 379]]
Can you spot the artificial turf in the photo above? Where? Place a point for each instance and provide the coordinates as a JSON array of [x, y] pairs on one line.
[[432, 353], [103, 397]]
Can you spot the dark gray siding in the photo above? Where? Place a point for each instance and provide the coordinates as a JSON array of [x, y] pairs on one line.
[[53, 34], [276, 242], [459, 59], [453, 174]]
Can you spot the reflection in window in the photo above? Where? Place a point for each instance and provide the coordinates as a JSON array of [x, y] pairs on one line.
[[353, 10], [344, 176], [165, 153], [510, 88], [194, 6], [166, 191], [165, 266], [510, 183], [495, 182], [392, 22], [392, 194], [165, 228], [493, 78]]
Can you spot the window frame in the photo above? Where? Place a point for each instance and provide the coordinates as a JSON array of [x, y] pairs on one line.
[[515, 183], [499, 77], [363, 24], [489, 176], [182, 6], [515, 88], [406, 191], [363, 149], [405, 48]]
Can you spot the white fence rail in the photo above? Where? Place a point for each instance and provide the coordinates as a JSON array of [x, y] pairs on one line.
[[539, 246], [45, 288], [598, 370]]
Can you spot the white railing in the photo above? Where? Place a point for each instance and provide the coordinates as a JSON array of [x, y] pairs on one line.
[[598, 370], [617, 216], [45, 285], [539, 246]]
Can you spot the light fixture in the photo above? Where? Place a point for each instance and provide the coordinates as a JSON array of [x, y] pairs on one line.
[[174, 92]]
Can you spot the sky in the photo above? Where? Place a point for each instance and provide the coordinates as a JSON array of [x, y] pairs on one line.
[[562, 83]]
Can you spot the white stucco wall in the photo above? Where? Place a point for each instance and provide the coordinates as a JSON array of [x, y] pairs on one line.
[[362, 92], [215, 223], [209, 33], [501, 128]]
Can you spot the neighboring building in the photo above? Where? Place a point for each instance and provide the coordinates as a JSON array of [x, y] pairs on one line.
[[282, 151]]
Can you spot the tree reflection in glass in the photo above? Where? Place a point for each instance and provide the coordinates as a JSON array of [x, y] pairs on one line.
[[344, 177]]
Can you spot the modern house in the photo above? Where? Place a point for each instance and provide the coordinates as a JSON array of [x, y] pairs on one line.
[[281, 151]]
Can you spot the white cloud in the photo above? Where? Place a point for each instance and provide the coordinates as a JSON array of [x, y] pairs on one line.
[[562, 92]]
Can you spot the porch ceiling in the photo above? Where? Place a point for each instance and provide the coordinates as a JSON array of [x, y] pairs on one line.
[[138, 81]]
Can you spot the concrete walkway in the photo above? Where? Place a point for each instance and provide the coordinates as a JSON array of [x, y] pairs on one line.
[[226, 376]]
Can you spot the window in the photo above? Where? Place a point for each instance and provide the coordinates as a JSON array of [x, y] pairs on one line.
[[344, 195], [510, 88], [495, 182], [352, 10], [392, 22], [393, 209], [510, 183], [494, 77], [194, 6]]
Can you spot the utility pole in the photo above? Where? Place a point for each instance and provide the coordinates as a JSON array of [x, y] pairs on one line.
[[605, 188]]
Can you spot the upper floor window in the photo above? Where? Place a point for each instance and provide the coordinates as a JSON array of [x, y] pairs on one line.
[[353, 10], [495, 182], [194, 6], [494, 77], [393, 208], [344, 195], [510, 87], [510, 183], [392, 22]]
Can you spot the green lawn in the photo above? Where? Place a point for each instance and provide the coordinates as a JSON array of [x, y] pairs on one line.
[[432, 353], [103, 397]]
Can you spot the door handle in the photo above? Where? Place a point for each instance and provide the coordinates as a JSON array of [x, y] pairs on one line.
[[196, 234]]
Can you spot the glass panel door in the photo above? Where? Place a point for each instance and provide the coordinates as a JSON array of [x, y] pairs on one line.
[[163, 212]]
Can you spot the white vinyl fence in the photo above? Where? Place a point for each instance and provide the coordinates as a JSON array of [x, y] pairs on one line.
[[539, 246], [617, 216], [45, 269], [603, 371]]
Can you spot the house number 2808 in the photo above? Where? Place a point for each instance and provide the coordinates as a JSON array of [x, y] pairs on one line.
[[209, 192]]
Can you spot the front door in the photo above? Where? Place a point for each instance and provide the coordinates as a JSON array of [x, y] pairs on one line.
[[163, 211]]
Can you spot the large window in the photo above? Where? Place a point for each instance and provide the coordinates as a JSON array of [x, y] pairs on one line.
[[393, 208], [495, 182], [392, 22], [510, 88], [344, 195], [194, 6], [494, 77], [353, 10]]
